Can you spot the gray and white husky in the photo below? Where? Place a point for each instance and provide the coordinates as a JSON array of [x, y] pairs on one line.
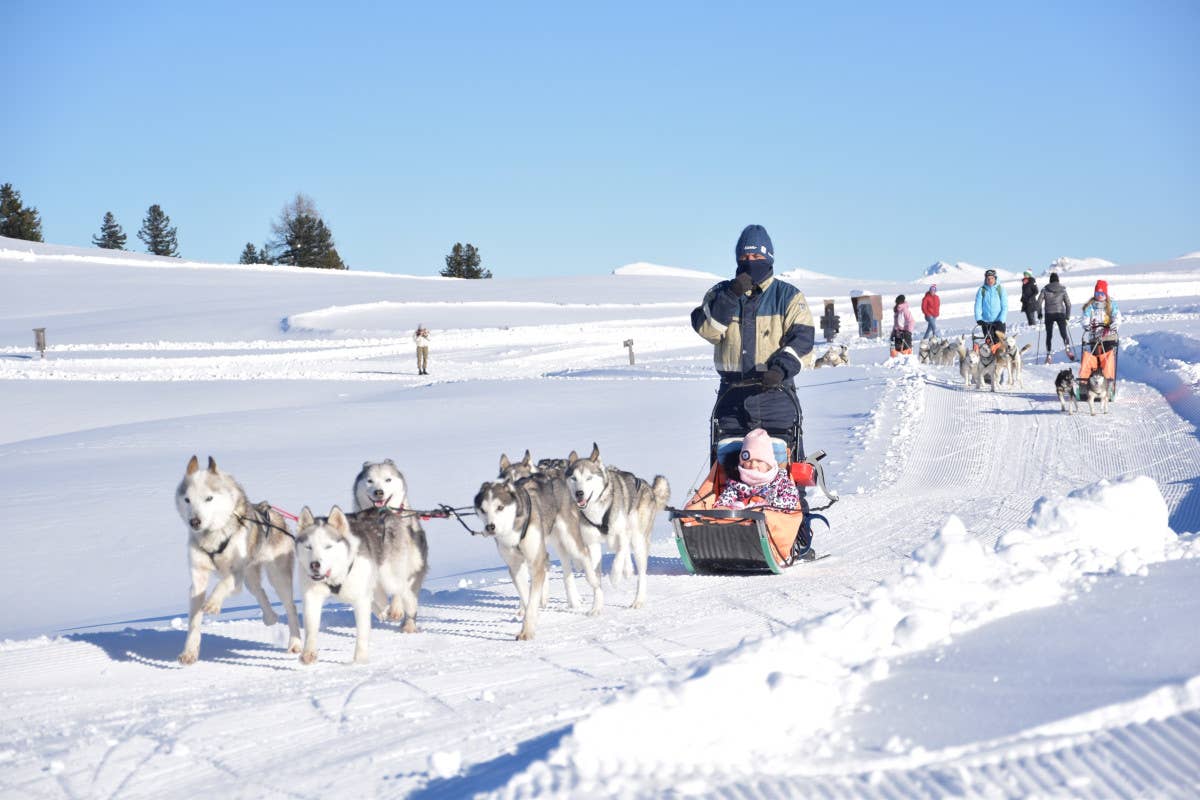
[[620, 507], [229, 536], [380, 485], [362, 558], [576, 545]]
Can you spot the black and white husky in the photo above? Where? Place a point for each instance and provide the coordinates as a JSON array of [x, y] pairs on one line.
[[1064, 387], [362, 558], [576, 544], [620, 508], [1097, 389], [236, 540]]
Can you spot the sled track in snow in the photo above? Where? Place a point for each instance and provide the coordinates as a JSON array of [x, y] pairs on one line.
[[1158, 759]]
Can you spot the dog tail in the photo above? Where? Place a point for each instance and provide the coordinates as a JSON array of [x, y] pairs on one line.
[[662, 492]]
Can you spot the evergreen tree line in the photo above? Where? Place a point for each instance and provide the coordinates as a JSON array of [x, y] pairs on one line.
[[300, 237]]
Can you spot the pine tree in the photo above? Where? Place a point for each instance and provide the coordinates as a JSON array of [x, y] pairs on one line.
[[111, 236], [302, 239], [463, 262], [157, 233], [254, 255], [16, 221]]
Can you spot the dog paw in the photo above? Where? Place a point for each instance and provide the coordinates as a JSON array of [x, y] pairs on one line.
[[211, 608], [395, 614], [294, 646], [308, 657], [594, 611], [525, 636], [360, 658], [270, 618], [638, 602], [409, 627], [188, 657]]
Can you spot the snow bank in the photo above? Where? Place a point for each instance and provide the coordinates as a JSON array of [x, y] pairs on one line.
[[744, 713]]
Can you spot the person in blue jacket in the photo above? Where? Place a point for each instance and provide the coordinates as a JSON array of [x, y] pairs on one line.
[[991, 307]]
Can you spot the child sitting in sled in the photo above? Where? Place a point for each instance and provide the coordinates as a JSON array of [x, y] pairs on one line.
[[763, 481]]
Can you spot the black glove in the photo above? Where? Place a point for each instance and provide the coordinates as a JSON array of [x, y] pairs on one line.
[[1039, 314], [741, 283], [772, 377]]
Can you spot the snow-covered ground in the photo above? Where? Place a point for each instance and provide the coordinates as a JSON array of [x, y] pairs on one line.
[[1008, 608]]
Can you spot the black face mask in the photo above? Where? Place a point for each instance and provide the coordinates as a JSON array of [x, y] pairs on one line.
[[759, 270]]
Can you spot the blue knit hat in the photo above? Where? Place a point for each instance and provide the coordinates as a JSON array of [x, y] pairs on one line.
[[754, 239]]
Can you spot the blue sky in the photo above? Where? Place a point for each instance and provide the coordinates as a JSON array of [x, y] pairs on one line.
[[561, 138]]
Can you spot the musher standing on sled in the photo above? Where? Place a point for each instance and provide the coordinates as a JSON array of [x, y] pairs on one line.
[[991, 307], [756, 322]]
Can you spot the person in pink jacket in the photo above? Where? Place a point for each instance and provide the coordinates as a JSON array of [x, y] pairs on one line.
[[902, 328]]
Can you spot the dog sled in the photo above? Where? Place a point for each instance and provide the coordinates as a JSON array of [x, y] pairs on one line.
[[1095, 356], [749, 541]]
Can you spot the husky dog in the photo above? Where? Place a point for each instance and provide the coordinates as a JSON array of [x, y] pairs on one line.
[[380, 485], [989, 368], [968, 365], [836, 355], [621, 507], [522, 517], [362, 558], [1010, 358], [1097, 389], [575, 544], [925, 350], [1064, 387], [229, 536]]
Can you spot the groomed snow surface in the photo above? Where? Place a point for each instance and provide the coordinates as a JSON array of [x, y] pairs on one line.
[[1007, 607]]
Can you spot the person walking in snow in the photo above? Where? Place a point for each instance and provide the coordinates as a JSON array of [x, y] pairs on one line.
[[991, 307], [902, 328], [1054, 305], [762, 332], [1029, 297], [421, 340], [762, 482], [931, 307]]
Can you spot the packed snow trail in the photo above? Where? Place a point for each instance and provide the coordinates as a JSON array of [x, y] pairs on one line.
[[136, 726]]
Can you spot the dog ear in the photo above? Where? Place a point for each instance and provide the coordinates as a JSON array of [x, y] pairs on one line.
[[389, 461], [504, 462], [193, 465], [212, 465], [595, 456], [366, 464], [528, 459], [306, 518], [338, 521]]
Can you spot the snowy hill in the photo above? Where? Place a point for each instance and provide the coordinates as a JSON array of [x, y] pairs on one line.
[[1066, 264], [1006, 609], [960, 272]]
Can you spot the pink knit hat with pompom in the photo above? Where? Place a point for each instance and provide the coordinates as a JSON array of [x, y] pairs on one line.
[[757, 444]]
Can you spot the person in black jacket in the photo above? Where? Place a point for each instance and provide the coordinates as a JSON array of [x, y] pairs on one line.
[[1029, 297], [1056, 304]]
